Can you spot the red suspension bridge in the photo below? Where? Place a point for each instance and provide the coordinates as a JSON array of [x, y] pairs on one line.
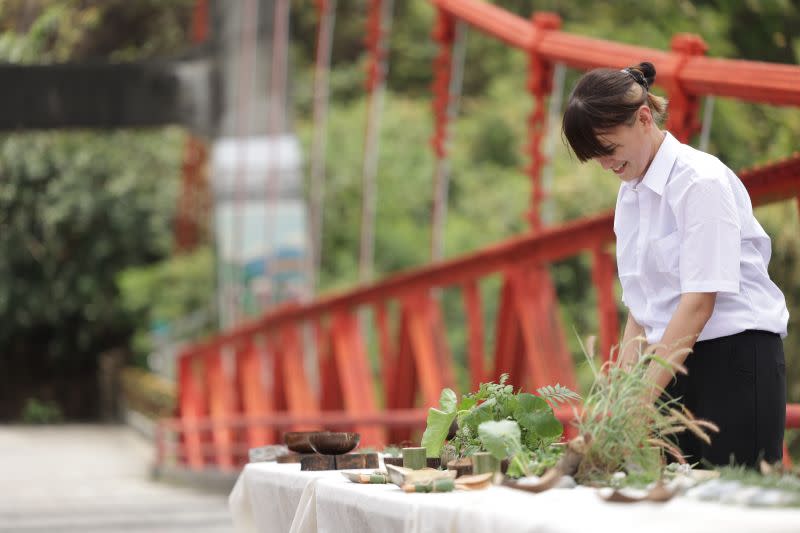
[[240, 388]]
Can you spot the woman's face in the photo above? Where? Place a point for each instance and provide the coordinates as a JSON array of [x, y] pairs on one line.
[[633, 148]]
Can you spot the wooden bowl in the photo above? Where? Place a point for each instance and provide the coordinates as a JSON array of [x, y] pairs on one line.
[[297, 441], [333, 443]]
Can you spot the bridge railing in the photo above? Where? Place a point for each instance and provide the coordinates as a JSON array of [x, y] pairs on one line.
[[238, 389]]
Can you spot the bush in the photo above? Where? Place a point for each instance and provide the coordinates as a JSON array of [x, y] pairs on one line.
[[40, 412]]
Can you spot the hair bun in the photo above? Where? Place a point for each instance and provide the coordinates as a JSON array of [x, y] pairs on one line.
[[649, 72]]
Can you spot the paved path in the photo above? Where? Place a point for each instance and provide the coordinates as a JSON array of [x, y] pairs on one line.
[[94, 478]]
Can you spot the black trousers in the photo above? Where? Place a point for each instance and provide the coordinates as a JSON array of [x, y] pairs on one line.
[[739, 383]]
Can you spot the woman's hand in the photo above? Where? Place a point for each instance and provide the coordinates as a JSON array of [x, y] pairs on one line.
[[632, 344], [693, 312]]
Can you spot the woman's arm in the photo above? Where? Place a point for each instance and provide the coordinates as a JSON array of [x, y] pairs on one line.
[[689, 319], [631, 346]]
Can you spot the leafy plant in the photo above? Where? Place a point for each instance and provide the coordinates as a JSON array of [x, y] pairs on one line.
[[498, 420], [77, 208], [503, 439], [41, 412], [174, 297]]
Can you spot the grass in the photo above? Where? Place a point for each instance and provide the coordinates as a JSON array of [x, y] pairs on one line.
[[788, 483], [624, 431]]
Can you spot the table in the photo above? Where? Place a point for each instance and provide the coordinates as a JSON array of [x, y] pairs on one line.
[[270, 497]]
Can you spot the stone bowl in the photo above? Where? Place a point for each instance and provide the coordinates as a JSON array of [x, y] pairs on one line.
[[297, 441], [333, 442]]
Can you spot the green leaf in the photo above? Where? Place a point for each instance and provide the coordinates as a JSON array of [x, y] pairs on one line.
[[500, 437], [536, 416], [509, 405], [528, 405], [467, 402], [448, 400], [558, 394], [477, 415], [548, 426], [438, 424]]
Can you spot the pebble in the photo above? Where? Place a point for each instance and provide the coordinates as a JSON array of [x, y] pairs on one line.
[[566, 482]]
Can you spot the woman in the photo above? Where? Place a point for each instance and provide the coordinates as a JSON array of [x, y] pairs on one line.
[[692, 262]]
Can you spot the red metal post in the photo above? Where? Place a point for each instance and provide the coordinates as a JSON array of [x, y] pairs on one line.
[[403, 389], [193, 199], [603, 279], [540, 76], [355, 377], [684, 121], [404, 385], [543, 359], [200, 21], [330, 392], [373, 42], [439, 331], [192, 406], [504, 331], [534, 351], [473, 308], [434, 368], [443, 33], [220, 381], [256, 388], [542, 292], [298, 395], [387, 352]]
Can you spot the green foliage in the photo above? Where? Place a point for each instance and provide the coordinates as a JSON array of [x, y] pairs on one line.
[[494, 143], [163, 295], [500, 437], [623, 428], [786, 482], [438, 424], [51, 31], [40, 412], [77, 208], [557, 394], [534, 425]]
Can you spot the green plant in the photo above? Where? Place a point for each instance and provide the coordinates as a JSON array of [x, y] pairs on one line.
[[622, 429], [173, 297], [498, 420], [40, 412], [503, 438], [783, 481]]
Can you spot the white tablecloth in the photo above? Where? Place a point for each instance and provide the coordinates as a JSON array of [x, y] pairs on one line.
[[269, 497]]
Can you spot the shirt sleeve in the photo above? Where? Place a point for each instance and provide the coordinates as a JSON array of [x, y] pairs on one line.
[[709, 227]]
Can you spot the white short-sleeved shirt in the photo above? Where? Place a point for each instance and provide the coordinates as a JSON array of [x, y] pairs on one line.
[[688, 226]]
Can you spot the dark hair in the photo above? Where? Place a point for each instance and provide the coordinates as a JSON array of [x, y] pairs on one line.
[[604, 99]]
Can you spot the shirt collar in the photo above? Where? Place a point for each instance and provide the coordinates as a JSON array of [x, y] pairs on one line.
[[657, 174]]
